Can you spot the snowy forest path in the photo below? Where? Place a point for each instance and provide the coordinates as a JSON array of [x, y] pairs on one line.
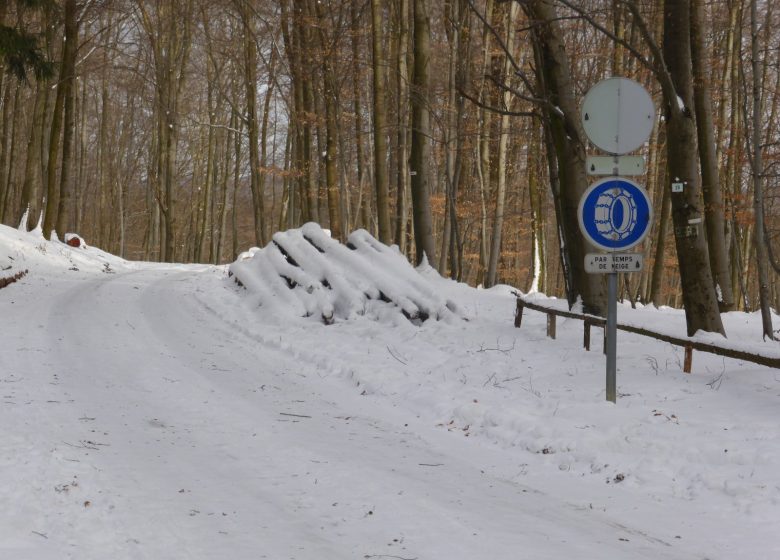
[[172, 433]]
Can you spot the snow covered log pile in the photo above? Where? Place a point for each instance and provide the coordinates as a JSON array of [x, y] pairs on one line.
[[307, 273]]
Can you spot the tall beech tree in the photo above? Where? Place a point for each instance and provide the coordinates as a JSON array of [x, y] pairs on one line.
[[714, 207], [698, 289], [419, 152], [381, 178], [253, 128], [566, 151], [66, 202]]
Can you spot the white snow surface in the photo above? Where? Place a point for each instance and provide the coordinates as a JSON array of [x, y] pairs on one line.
[[161, 411]]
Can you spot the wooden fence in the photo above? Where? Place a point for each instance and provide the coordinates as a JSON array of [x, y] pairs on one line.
[[686, 343]]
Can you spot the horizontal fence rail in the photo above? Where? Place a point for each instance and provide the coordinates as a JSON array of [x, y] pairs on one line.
[[686, 343]]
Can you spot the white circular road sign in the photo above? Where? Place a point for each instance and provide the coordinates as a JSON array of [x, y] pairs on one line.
[[618, 115]]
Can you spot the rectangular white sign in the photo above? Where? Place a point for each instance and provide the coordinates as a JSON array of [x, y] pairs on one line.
[[615, 165], [603, 263]]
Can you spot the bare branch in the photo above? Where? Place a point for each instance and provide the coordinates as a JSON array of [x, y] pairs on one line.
[[495, 34], [496, 110]]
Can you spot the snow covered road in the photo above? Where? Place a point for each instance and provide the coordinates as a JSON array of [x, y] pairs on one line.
[[166, 433], [153, 413]]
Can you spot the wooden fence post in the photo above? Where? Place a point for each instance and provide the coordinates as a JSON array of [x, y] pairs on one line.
[[519, 313], [688, 362], [586, 335], [551, 325]]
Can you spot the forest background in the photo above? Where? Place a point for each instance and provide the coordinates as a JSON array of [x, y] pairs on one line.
[[191, 130]]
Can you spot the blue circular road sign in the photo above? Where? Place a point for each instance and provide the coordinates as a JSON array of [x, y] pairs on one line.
[[615, 214]]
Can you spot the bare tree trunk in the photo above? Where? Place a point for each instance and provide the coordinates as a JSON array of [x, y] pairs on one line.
[[12, 195], [458, 36], [450, 132], [290, 33], [699, 298], [483, 148], [236, 184], [302, 41], [419, 157], [503, 146], [619, 30], [331, 155], [203, 216], [219, 237], [757, 164], [269, 92], [731, 55], [66, 211], [82, 180], [5, 162], [380, 126], [55, 134], [656, 190], [538, 268], [364, 199], [660, 249], [250, 77], [714, 210], [402, 173], [734, 155], [567, 138]]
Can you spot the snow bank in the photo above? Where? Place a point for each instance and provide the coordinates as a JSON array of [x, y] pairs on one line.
[[22, 250]]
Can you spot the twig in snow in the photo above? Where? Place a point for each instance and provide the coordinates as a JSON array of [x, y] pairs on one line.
[[431, 464], [497, 348], [388, 556], [718, 381], [394, 356], [87, 444], [530, 388], [295, 415], [40, 534], [653, 363]]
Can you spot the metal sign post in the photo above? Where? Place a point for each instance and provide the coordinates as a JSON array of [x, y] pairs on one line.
[[611, 334], [615, 214]]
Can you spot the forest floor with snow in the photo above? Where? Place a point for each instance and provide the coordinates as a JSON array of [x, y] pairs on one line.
[[167, 411]]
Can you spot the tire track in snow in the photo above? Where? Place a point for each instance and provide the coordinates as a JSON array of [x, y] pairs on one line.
[[160, 440]]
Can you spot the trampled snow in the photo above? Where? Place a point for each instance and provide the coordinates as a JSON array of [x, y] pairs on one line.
[[165, 412]]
